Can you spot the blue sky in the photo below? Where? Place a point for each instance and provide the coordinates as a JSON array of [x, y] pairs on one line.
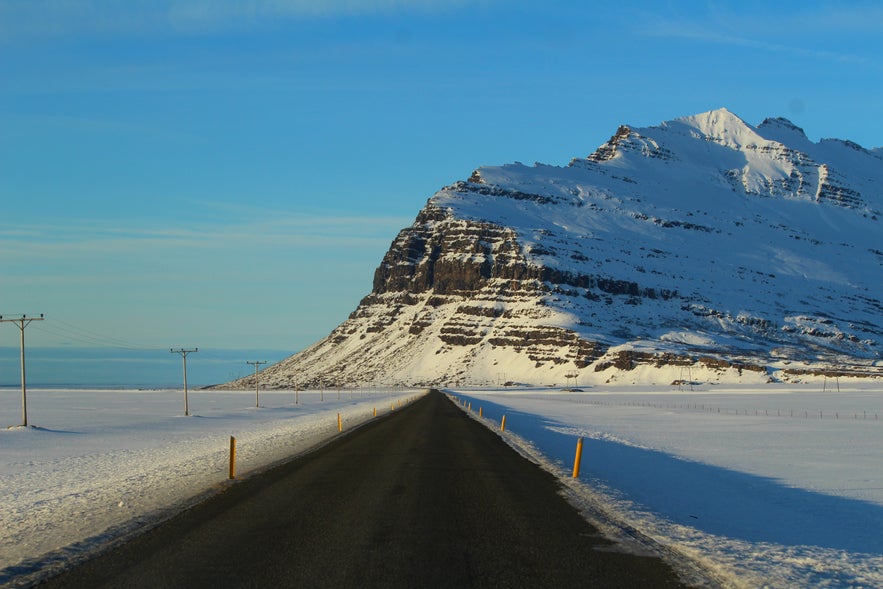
[[228, 174]]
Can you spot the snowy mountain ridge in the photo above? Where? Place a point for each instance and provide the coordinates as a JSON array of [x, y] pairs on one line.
[[703, 248]]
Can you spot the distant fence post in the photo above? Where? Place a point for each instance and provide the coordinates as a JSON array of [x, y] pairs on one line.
[[503, 424], [578, 457], [339, 423], [232, 457]]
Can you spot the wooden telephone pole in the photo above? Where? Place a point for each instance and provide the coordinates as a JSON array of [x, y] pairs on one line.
[[22, 323], [184, 353], [255, 364]]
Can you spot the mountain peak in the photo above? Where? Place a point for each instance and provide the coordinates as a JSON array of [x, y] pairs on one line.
[[784, 131], [610, 149], [712, 118], [721, 126], [781, 123], [706, 245]]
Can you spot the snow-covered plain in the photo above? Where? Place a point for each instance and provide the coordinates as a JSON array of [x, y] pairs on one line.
[[769, 485], [764, 486], [98, 465]]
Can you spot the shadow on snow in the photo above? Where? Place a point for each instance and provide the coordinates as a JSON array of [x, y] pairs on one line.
[[707, 498]]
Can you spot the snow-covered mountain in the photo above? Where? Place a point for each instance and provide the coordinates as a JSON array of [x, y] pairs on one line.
[[703, 248]]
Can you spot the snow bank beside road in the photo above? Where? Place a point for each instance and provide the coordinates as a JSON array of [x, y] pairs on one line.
[[100, 464], [770, 486]]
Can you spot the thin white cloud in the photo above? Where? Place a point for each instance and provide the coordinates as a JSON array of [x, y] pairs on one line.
[[861, 18], [307, 218], [77, 18], [687, 31], [75, 238], [123, 259], [801, 33]]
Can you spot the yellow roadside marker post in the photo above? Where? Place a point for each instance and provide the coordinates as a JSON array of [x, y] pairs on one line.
[[577, 458], [232, 457]]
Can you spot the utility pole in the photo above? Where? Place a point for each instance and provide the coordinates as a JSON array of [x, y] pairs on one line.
[[22, 323], [184, 353], [255, 364]]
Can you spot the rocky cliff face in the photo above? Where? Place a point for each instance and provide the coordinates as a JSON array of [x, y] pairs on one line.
[[704, 246]]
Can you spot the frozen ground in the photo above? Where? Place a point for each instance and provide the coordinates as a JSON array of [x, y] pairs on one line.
[[771, 486], [778, 486], [97, 465]]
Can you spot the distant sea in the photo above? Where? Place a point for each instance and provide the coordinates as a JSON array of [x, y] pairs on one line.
[[125, 368]]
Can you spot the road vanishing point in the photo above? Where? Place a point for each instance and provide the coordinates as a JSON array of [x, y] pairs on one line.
[[425, 497]]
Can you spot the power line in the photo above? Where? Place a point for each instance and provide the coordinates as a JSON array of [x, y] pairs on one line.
[[81, 334], [80, 338]]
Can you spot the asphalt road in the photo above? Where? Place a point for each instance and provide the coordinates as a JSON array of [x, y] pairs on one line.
[[426, 497]]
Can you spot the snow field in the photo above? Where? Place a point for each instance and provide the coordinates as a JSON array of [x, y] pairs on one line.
[[754, 496], [98, 465]]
